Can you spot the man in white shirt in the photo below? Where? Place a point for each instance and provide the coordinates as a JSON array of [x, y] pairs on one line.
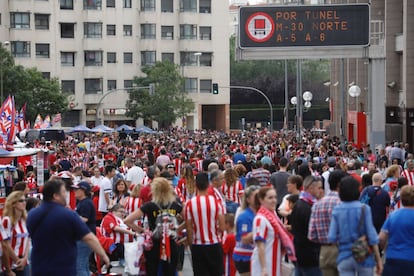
[[105, 190], [135, 174]]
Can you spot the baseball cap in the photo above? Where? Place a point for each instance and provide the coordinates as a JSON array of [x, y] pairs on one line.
[[82, 185], [331, 162], [170, 166]]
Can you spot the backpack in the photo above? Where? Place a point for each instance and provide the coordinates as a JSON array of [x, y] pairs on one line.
[[369, 195], [165, 221]]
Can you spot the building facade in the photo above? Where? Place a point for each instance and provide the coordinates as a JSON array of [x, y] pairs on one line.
[[97, 46]]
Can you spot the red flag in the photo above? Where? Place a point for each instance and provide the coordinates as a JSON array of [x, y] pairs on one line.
[[8, 122]]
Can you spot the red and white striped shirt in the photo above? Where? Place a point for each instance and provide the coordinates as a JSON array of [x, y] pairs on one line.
[[132, 204], [178, 163], [204, 212], [409, 175], [264, 231], [218, 196], [108, 224], [232, 193], [199, 165], [18, 235]]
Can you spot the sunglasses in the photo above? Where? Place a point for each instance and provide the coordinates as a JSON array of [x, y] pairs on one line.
[[21, 200]]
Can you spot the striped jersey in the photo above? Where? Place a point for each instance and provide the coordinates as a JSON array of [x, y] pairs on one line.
[[132, 204], [232, 193], [18, 235], [264, 231], [409, 175], [108, 224], [204, 211]]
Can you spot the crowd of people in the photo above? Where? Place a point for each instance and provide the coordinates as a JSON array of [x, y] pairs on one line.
[[256, 203]]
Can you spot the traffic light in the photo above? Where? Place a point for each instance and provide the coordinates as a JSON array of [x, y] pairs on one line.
[[215, 88]]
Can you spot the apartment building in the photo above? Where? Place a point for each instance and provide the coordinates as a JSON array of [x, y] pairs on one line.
[[97, 46]]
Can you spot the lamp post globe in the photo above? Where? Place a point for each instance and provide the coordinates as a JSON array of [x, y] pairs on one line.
[[307, 96], [354, 91]]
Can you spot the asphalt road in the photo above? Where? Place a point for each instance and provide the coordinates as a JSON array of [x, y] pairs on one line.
[[187, 270]]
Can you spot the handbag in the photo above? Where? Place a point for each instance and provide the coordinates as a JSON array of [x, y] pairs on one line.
[[287, 268], [133, 252], [360, 248]]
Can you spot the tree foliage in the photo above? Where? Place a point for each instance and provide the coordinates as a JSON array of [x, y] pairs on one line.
[[41, 95], [269, 77], [168, 102]]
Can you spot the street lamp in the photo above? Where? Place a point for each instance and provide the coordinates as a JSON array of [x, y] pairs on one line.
[[98, 120], [5, 43], [307, 97]]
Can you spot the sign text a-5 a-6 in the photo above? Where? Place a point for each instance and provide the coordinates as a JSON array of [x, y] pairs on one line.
[[286, 26]]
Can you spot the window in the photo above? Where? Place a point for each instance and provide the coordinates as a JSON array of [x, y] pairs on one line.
[[128, 83], [127, 30], [205, 86], [20, 20], [20, 48], [93, 86], [205, 59], [188, 31], [110, 3], [205, 6], [111, 57], [188, 5], [128, 57], [41, 21], [42, 50], [147, 5], [205, 33], [188, 58], [46, 75], [167, 32], [167, 57], [92, 30], [67, 58], [92, 4], [111, 84], [66, 4], [68, 86], [127, 4], [167, 6], [147, 31], [110, 30], [93, 58], [147, 58], [190, 85], [67, 30]]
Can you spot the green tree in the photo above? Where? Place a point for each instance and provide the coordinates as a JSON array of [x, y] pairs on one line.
[[41, 95], [168, 102]]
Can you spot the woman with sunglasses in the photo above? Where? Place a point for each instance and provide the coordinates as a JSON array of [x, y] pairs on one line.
[[14, 224], [244, 235]]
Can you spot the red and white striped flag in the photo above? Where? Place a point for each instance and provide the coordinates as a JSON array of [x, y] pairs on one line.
[[38, 122]]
